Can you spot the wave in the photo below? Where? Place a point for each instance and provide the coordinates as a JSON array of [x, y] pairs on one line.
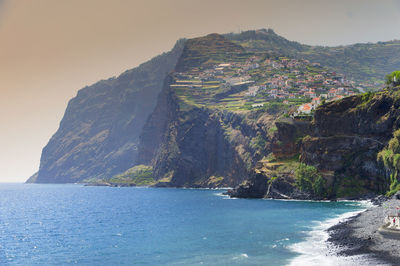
[[316, 250], [224, 196]]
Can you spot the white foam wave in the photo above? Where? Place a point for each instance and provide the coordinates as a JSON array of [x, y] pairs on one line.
[[221, 194], [316, 250], [224, 196], [241, 256]]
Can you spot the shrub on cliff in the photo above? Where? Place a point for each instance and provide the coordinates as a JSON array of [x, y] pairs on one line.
[[393, 78], [258, 143], [390, 157], [309, 180]]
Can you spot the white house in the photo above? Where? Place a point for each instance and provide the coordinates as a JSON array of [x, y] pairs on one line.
[[257, 105], [252, 91]]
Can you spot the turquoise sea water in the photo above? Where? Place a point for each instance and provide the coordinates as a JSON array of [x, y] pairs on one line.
[[73, 224]]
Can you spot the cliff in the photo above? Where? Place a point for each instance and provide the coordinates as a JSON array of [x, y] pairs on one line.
[[197, 129], [99, 133], [342, 142], [206, 148], [198, 145], [347, 136]]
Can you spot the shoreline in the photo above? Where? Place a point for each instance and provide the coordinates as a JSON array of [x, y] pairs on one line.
[[317, 250], [359, 236]]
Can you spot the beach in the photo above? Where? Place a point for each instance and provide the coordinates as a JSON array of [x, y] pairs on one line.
[[360, 236]]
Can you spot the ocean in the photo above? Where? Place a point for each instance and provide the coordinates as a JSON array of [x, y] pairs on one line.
[[74, 224]]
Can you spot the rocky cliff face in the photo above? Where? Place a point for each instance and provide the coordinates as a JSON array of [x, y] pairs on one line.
[[199, 140], [192, 146], [274, 177], [342, 142], [346, 137], [202, 147], [99, 133], [205, 148]]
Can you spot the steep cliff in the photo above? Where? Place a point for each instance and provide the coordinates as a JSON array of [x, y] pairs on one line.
[[198, 130], [342, 143], [203, 147], [208, 148], [199, 145], [346, 138], [99, 133]]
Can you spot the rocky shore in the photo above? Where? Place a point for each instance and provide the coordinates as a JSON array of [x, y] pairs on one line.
[[360, 234], [109, 184]]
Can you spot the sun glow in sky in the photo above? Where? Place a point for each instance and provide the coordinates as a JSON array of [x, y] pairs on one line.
[[49, 49]]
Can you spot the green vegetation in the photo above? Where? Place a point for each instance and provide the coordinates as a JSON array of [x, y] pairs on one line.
[[393, 78], [258, 143], [349, 186], [215, 180], [275, 107], [366, 97], [139, 175], [390, 157], [208, 49], [283, 165], [309, 180], [272, 130]]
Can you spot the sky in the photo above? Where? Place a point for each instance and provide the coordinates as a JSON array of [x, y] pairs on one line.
[[49, 49]]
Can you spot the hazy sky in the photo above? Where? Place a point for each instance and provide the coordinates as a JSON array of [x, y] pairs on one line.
[[49, 49]]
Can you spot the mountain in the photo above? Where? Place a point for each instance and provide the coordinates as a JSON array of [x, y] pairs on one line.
[[194, 143], [215, 112], [364, 62], [99, 133]]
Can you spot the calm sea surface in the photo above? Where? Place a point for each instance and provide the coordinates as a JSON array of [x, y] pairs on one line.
[[73, 224]]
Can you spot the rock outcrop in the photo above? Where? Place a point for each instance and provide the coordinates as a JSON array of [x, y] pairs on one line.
[[202, 147], [346, 137], [342, 142], [192, 146], [33, 178], [99, 133]]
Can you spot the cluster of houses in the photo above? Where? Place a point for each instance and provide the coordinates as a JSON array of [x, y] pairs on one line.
[[272, 79], [332, 95]]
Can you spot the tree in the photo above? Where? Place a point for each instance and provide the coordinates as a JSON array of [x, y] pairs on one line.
[[309, 180]]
